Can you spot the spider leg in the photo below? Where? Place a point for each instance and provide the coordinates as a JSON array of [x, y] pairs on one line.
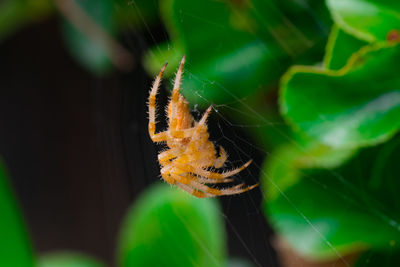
[[211, 191], [219, 162], [238, 189], [205, 115], [174, 171], [210, 174], [159, 137], [152, 109], [175, 96], [165, 156], [193, 191], [179, 103], [187, 168], [216, 175], [165, 173], [204, 180], [187, 179]]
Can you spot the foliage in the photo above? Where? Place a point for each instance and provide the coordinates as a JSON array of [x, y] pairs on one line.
[[87, 26], [15, 248], [14, 14], [342, 205], [180, 229], [349, 103], [379, 258], [89, 51], [328, 189], [369, 20], [351, 107], [236, 43], [67, 259]]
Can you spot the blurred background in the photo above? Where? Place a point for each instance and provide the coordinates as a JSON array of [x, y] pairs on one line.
[[307, 89]]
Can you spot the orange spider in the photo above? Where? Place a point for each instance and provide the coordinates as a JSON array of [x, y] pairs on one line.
[[190, 153]]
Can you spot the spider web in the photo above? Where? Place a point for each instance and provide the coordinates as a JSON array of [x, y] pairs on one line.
[[248, 232]]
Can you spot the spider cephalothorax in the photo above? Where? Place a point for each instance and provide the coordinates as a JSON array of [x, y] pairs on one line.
[[190, 155]]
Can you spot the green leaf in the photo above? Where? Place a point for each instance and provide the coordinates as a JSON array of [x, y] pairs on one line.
[[373, 258], [324, 214], [14, 14], [355, 106], [68, 259], [137, 14], [369, 20], [15, 246], [284, 164], [168, 227], [341, 46], [238, 262], [233, 49], [91, 53]]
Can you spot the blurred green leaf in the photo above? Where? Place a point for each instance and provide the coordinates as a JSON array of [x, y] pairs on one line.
[[233, 48], [91, 53], [356, 106], [341, 46], [370, 20], [68, 259], [16, 13], [135, 14], [284, 164], [372, 258], [15, 246], [168, 227], [238, 262], [327, 213]]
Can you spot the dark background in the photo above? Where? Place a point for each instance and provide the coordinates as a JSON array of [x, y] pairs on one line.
[[77, 148]]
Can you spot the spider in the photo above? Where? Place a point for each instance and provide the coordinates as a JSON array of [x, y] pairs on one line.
[[190, 155]]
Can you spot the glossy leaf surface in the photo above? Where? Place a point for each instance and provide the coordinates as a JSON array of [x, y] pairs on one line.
[[91, 52], [15, 246], [168, 227], [340, 48], [370, 20], [355, 106], [68, 259], [233, 49], [326, 214]]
